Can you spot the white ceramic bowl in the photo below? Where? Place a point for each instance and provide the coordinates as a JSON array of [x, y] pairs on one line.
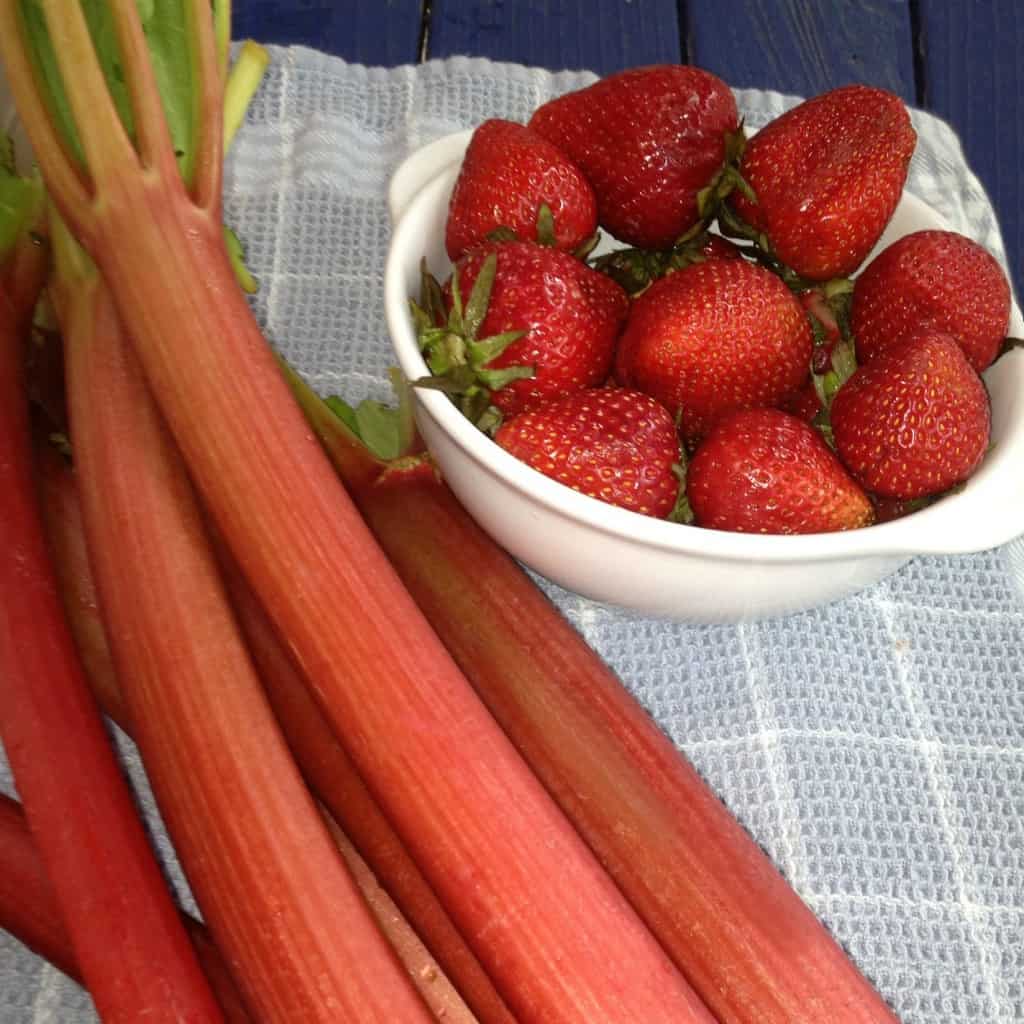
[[650, 565]]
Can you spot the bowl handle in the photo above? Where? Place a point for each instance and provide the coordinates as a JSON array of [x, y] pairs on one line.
[[422, 166]]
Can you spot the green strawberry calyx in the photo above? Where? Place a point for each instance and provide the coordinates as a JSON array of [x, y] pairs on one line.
[[711, 198], [635, 270], [545, 234], [457, 359]]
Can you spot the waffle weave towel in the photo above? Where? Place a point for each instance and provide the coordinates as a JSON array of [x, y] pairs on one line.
[[875, 748]]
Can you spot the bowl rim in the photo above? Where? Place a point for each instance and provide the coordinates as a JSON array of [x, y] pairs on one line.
[[936, 529]]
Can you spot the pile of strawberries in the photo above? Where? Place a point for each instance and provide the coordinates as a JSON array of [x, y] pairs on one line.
[[740, 379]]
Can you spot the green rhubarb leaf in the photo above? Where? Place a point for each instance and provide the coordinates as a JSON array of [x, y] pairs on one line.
[[20, 199], [389, 432], [236, 254], [19, 202], [7, 163], [165, 26], [373, 422]]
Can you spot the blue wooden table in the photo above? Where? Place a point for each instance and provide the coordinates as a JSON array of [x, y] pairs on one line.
[[957, 58]]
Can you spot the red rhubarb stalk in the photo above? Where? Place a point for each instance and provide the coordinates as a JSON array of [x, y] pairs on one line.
[[28, 910], [128, 940], [443, 998], [327, 768], [334, 779], [28, 907], [275, 893], [127, 937], [65, 533], [744, 939], [557, 937]]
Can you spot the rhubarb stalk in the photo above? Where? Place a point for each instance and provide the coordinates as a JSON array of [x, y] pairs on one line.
[[554, 933], [28, 910], [128, 940], [334, 779], [272, 887], [326, 766], [742, 936]]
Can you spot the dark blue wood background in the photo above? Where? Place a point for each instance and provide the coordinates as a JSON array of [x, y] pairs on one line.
[[960, 59]]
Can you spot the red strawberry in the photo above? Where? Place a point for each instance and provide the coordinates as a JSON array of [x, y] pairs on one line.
[[937, 281], [914, 421], [765, 471], [570, 313], [717, 336], [715, 247], [611, 443], [827, 175], [648, 140], [507, 174]]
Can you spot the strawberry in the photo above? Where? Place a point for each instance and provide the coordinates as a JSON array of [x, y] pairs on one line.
[[548, 323], [914, 421], [765, 471], [932, 280], [508, 174], [717, 336], [649, 140], [827, 176], [611, 443]]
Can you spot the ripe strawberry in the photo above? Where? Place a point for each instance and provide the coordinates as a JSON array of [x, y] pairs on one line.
[[611, 443], [507, 174], [914, 421], [765, 471], [827, 175], [717, 336], [937, 281], [648, 140], [571, 316]]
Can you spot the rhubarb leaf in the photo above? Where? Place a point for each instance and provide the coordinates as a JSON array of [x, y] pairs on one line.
[[388, 432], [19, 199], [165, 26], [7, 165], [236, 253]]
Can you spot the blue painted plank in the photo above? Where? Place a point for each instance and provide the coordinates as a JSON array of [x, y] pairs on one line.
[[972, 77], [384, 32], [804, 48], [601, 36]]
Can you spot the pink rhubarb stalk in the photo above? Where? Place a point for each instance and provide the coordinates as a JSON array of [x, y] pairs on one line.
[[442, 976], [742, 936], [557, 937], [128, 939], [334, 779], [275, 893], [29, 911]]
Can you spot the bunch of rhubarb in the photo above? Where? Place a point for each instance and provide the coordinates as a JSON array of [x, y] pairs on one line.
[[286, 625]]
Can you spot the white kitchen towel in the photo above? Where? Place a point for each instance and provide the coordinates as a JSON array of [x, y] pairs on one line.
[[875, 748]]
